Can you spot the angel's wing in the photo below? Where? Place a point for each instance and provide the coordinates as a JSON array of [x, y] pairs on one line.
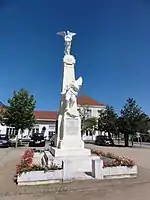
[[71, 34], [62, 33], [79, 81]]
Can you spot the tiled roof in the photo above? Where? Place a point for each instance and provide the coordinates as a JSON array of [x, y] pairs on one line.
[[42, 114], [52, 115], [85, 100]]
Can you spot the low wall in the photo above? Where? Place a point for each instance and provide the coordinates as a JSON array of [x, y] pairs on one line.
[[39, 177], [119, 172], [71, 172], [112, 172]]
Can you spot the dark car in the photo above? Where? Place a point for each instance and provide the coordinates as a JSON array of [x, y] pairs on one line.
[[37, 140], [4, 141], [104, 141]]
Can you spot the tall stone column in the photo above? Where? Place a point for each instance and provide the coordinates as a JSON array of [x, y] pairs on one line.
[[69, 126]]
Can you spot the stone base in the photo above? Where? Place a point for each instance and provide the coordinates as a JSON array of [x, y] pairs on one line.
[[39, 177], [56, 176], [56, 152], [79, 164], [81, 159], [71, 142]]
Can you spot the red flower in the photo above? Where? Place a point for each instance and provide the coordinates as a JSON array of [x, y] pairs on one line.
[[113, 159], [104, 164], [26, 161]]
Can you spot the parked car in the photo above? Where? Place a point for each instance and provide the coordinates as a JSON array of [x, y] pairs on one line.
[[104, 141], [4, 140], [26, 138], [37, 140], [12, 142]]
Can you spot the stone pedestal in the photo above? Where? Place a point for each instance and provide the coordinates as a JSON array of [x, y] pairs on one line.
[[81, 158], [72, 133], [57, 152]]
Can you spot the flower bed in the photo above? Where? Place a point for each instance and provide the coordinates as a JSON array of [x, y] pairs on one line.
[[29, 173], [112, 160], [113, 167], [27, 165]]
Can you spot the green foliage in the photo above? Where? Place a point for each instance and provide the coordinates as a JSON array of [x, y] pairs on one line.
[[83, 111], [91, 123], [132, 120], [107, 121], [87, 123], [19, 112]]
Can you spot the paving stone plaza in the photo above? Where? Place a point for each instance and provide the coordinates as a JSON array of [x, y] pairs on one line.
[[91, 190]]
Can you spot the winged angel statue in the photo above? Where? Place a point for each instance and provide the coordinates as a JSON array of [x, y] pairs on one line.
[[68, 38], [70, 94]]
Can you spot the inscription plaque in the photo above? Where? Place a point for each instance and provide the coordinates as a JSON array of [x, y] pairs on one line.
[[72, 126]]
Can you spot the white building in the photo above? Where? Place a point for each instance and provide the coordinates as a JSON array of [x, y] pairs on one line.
[[46, 120], [93, 107]]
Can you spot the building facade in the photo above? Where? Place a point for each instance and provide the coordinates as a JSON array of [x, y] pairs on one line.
[[46, 120], [92, 109]]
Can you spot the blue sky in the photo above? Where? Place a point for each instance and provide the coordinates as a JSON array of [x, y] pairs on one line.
[[112, 49]]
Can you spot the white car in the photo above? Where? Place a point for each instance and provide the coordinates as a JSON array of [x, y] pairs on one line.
[[26, 138], [13, 141]]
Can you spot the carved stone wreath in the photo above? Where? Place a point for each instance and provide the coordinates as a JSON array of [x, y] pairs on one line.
[[69, 59]]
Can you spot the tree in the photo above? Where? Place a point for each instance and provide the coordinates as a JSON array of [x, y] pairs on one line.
[[107, 121], [87, 123], [91, 123], [19, 113], [83, 111], [132, 120]]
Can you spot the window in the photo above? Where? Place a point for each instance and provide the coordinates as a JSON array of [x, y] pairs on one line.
[[99, 111], [91, 133], [88, 113], [87, 133], [50, 134], [10, 131], [52, 125], [35, 130]]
